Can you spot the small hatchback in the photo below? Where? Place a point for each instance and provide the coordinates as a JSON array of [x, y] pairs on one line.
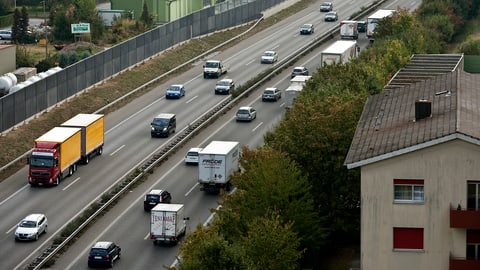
[[192, 155], [299, 71], [326, 6], [246, 114], [175, 91], [331, 16], [31, 227], [154, 197], [271, 94], [103, 253], [269, 57]]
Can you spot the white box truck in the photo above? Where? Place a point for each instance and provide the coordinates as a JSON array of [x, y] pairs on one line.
[[348, 30], [167, 223], [374, 19], [293, 90], [216, 162], [340, 52]]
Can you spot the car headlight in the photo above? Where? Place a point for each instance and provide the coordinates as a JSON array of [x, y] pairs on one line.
[[152, 128], [164, 129]]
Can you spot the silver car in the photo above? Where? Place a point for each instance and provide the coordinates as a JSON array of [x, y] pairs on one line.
[[5, 34], [246, 114], [31, 227], [271, 94], [269, 57]]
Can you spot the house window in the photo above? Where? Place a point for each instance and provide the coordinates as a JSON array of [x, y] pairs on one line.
[[473, 195], [408, 238], [473, 244], [408, 190]]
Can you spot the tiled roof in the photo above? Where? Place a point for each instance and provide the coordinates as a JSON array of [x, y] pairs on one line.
[[388, 127]]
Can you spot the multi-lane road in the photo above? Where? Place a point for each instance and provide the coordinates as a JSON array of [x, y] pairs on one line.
[[128, 143]]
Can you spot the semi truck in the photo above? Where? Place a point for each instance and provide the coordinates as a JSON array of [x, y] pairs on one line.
[[340, 52], [374, 19], [348, 30], [167, 223], [216, 163], [55, 156], [294, 89], [92, 133]]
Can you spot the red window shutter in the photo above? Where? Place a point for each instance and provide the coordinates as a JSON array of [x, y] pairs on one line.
[[407, 182], [408, 238]]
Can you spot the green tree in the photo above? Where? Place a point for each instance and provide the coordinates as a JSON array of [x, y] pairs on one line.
[[146, 18]]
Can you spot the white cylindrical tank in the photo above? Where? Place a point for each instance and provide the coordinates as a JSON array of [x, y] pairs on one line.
[[5, 83], [13, 77], [16, 87]]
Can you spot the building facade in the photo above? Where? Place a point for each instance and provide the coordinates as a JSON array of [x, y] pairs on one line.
[[418, 148]]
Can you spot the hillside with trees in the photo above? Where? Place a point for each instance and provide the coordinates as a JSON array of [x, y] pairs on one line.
[[296, 202]]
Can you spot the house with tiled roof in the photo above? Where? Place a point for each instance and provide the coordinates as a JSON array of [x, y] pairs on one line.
[[417, 145]]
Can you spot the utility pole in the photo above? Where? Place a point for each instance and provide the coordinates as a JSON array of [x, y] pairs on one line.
[[45, 28]]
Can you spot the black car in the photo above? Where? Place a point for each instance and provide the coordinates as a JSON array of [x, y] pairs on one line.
[[299, 71], [362, 26], [154, 197], [103, 253]]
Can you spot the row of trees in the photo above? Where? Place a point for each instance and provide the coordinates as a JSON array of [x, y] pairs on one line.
[[296, 200]]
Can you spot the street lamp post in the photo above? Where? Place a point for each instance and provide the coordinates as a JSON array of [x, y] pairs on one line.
[[45, 28]]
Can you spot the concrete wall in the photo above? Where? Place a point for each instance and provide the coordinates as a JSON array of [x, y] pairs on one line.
[[7, 54], [445, 169]]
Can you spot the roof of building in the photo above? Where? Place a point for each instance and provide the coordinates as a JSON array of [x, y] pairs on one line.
[[388, 126]]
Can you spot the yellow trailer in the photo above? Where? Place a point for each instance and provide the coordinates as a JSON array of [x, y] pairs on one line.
[[93, 133]]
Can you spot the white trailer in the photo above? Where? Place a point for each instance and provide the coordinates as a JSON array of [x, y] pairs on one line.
[[293, 91], [216, 163], [375, 18], [348, 30], [340, 52], [167, 223]]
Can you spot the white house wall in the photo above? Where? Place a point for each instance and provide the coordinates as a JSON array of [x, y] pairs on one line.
[[445, 169]]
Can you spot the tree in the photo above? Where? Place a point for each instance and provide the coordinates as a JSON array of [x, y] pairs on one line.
[[146, 18]]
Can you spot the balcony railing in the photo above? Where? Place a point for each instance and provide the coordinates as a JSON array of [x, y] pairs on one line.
[[464, 218], [463, 264]]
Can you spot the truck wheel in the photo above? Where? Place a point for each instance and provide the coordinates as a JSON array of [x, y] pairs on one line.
[[57, 181], [87, 159], [228, 187], [70, 171], [74, 167], [100, 151]]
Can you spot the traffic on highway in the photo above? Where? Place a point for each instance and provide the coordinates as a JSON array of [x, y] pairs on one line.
[[128, 142]]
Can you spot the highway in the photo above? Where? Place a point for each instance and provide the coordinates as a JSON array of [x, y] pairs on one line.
[[128, 143]]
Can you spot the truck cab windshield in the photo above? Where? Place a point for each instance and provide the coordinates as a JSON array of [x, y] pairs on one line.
[[211, 64], [41, 161]]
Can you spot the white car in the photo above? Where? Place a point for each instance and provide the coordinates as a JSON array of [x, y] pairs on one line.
[[192, 155], [246, 114], [269, 57], [31, 227]]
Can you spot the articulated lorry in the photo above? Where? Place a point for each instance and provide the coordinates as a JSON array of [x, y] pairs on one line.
[[340, 52], [294, 89], [57, 153], [93, 133], [216, 163], [167, 223], [55, 156]]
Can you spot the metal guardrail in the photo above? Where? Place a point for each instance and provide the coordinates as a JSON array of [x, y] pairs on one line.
[[190, 130]]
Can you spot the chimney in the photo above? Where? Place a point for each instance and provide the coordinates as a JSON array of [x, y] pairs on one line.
[[423, 109]]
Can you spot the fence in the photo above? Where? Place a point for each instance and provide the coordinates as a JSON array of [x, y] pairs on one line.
[[25, 103]]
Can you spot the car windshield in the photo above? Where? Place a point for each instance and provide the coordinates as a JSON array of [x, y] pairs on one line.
[[268, 92], [243, 112], [174, 88], [268, 54], [193, 154], [153, 197], [305, 26], [98, 251], [160, 122], [41, 161], [297, 70], [224, 83], [211, 64], [28, 224]]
